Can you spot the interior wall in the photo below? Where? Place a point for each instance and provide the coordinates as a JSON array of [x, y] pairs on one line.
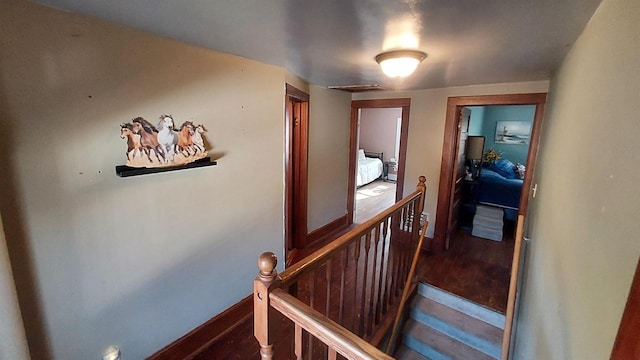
[[134, 262], [13, 341], [517, 153], [584, 220], [426, 130], [329, 114], [476, 120], [378, 130]]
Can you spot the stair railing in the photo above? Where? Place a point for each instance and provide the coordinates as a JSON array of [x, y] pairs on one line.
[[342, 298], [391, 343]]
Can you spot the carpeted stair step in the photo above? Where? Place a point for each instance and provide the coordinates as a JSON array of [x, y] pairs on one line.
[[424, 308], [405, 353], [445, 326], [462, 305], [435, 345]]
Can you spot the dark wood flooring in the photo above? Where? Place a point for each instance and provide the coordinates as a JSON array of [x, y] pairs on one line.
[[474, 268]]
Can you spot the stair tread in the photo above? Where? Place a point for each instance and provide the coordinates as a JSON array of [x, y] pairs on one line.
[[462, 305], [459, 319], [434, 344], [406, 353]]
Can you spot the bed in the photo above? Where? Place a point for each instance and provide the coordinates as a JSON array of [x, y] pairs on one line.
[[369, 167], [500, 185]]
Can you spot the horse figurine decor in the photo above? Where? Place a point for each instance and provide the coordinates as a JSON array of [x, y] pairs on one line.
[[162, 146], [167, 137]]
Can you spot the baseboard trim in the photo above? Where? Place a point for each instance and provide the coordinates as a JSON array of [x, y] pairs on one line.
[[201, 337], [336, 225]]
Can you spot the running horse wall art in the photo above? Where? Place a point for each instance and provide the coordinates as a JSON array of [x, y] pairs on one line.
[[163, 145]]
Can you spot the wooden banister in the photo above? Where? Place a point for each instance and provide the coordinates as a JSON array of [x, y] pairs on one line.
[[345, 293], [405, 293], [329, 332], [291, 273]]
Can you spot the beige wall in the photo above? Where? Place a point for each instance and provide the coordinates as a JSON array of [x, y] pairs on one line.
[[134, 262], [329, 115], [584, 222], [426, 130], [13, 341], [378, 130]]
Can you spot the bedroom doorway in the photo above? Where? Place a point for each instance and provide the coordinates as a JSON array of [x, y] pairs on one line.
[[446, 227], [378, 138], [501, 132]]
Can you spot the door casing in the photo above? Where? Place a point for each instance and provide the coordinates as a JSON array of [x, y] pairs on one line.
[[446, 188], [462, 133], [296, 166], [356, 106]]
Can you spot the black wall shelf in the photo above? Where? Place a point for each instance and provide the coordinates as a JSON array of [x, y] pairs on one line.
[[126, 171]]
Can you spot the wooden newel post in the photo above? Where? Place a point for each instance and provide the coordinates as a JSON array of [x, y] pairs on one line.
[[266, 276], [422, 187]]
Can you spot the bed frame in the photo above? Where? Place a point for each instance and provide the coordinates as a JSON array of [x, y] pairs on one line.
[[371, 154]]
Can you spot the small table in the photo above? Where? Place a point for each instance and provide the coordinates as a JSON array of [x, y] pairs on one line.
[[385, 170]]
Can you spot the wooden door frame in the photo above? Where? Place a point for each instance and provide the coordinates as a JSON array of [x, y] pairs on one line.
[[296, 203], [449, 148], [457, 180], [356, 106], [626, 345]]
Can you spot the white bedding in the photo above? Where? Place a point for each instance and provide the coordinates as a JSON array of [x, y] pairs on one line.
[[369, 169]]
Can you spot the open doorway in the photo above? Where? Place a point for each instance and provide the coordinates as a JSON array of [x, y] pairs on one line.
[[378, 137], [454, 158], [495, 164], [381, 144]]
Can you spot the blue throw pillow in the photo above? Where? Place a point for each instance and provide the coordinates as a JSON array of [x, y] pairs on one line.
[[505, 168]]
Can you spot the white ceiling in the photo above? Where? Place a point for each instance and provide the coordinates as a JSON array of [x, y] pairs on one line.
[[334, 42]]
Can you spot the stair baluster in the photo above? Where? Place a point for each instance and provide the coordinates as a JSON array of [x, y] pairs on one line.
[[368, 280]]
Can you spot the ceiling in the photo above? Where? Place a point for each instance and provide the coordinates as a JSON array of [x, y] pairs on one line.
[[334, 42]]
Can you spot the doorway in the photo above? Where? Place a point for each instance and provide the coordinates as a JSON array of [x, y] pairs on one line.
[[378, 137], [450, 184], [296, 157], [357, 107]]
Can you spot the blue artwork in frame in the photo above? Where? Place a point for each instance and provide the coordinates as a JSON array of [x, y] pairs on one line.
[[513, 132]]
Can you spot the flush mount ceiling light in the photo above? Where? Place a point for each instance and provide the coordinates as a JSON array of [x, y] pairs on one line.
[[400, 63]]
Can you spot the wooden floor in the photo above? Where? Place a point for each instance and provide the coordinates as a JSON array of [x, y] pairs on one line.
[[474, 268], [373, 198]]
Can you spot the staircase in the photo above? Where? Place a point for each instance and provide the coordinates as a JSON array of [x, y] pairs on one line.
[[444, 326]]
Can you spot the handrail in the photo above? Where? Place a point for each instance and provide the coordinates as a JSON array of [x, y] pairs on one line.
[[291, 273], [405, 292], [325, 329], [354, 282]]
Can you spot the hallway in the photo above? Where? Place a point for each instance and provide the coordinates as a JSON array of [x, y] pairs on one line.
[[474, 268]]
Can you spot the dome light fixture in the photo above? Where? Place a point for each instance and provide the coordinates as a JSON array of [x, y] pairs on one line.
[[400, 63]]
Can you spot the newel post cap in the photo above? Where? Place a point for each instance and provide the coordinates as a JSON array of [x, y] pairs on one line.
[[267, 263], [422, 182]]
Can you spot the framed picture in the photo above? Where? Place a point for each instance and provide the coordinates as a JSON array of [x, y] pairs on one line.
[[513, 132]]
